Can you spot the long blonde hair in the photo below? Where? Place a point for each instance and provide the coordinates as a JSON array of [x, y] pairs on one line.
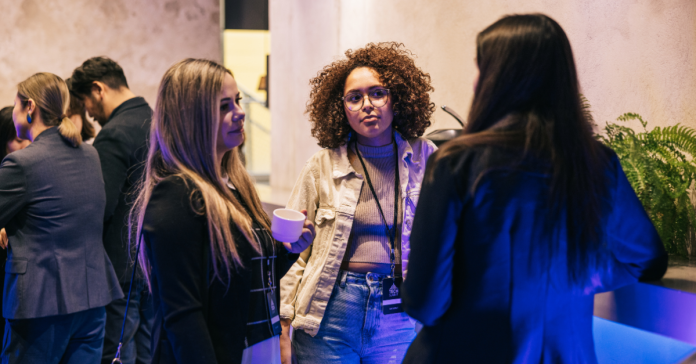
[[183, 143], [52, 98]]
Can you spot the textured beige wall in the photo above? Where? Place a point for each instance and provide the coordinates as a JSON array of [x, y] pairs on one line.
[[144, 36], [304, 38], [632, 56]]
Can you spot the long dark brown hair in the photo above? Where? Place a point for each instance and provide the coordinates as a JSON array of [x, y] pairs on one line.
[[529, 82]]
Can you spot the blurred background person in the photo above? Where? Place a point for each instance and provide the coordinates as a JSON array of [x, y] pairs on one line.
[[101, 86], [58, 276], [78, 115], [369, 111], [524, 217], [9, 142], [213, 265]]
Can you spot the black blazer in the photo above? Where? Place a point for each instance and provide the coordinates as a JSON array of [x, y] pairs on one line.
[[198, 319], [489, 280], [52, 205], [122, 148]]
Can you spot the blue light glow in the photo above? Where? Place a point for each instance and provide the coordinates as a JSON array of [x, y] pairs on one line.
[[617, 343]]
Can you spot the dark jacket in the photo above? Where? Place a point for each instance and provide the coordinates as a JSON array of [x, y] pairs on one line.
[[490, 281], [198, 319], [122, 147], [52, 204]]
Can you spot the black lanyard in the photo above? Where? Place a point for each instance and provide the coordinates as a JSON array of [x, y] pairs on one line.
[[391, 233]]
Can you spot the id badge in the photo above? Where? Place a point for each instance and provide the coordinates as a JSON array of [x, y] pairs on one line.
[[273, 313], [391, 295]]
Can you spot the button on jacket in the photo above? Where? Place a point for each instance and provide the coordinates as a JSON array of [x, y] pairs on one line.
[[329, 189]]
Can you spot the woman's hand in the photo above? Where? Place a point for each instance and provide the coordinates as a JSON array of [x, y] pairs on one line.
[[286, 354], [3, 238], [306, 238]]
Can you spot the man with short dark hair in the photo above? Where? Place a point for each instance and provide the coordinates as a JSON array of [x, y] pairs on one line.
[[122, 147]]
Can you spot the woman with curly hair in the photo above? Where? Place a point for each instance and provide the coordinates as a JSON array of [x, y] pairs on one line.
[[368, 111]]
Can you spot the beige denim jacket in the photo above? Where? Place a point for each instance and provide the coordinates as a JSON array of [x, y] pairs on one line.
[[329, 189]]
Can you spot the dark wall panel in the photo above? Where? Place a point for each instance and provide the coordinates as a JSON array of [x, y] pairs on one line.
[[246, 14]]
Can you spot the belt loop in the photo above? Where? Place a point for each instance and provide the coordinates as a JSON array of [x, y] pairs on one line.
[[344, 276]]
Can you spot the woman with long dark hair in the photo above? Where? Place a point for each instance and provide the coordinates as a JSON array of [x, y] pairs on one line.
[[211, 262], [525, 216]]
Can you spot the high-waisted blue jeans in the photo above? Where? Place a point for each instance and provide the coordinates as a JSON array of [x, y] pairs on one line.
[[354, 329]]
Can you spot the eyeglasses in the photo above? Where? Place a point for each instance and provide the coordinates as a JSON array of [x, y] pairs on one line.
[[354, 100]]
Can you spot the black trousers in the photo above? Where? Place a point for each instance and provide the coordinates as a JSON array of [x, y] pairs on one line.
[[75, 338], [138, 331]]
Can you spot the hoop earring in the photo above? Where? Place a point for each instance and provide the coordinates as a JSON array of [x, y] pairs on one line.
[[28, 118]]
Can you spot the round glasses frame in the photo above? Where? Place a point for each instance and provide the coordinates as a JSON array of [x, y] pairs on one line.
[[381, 101]]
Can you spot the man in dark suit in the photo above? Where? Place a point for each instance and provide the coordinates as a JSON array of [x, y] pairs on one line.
[[122, 147]]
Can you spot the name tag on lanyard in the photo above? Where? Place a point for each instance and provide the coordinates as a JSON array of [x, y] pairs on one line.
[[391, 295], [270, 293], [391, 286], [273, 313]]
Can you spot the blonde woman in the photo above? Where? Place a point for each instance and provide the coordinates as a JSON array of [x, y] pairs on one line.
[[213, 266], [57, 276]]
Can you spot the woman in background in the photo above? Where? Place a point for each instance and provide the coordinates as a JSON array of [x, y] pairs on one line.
[[78, 115], [9, 142], [212, 264], [369, 111], [525, 216], [57, 276]]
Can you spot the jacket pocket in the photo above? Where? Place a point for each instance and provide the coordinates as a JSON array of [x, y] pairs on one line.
[[324, 215], [16, 266]]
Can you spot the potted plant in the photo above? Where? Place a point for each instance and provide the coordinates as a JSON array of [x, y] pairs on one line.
[[661, 168]]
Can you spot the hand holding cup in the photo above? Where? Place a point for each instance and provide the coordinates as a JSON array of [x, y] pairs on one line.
[[292, 229]]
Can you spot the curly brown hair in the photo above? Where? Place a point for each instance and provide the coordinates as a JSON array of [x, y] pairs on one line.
[[408, 86]]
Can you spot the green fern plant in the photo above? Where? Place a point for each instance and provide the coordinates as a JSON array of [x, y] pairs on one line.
[[661, 168]]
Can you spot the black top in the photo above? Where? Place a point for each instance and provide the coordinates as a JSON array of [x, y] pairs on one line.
[[489, 280], [199, 319], [122, 147], [52, 203]]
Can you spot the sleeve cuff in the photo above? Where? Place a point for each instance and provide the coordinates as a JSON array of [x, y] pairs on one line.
[[287, 311]]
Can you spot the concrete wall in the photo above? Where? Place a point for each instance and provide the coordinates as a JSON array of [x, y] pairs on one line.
[[304, 38], [144, 36], [632, 56]]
